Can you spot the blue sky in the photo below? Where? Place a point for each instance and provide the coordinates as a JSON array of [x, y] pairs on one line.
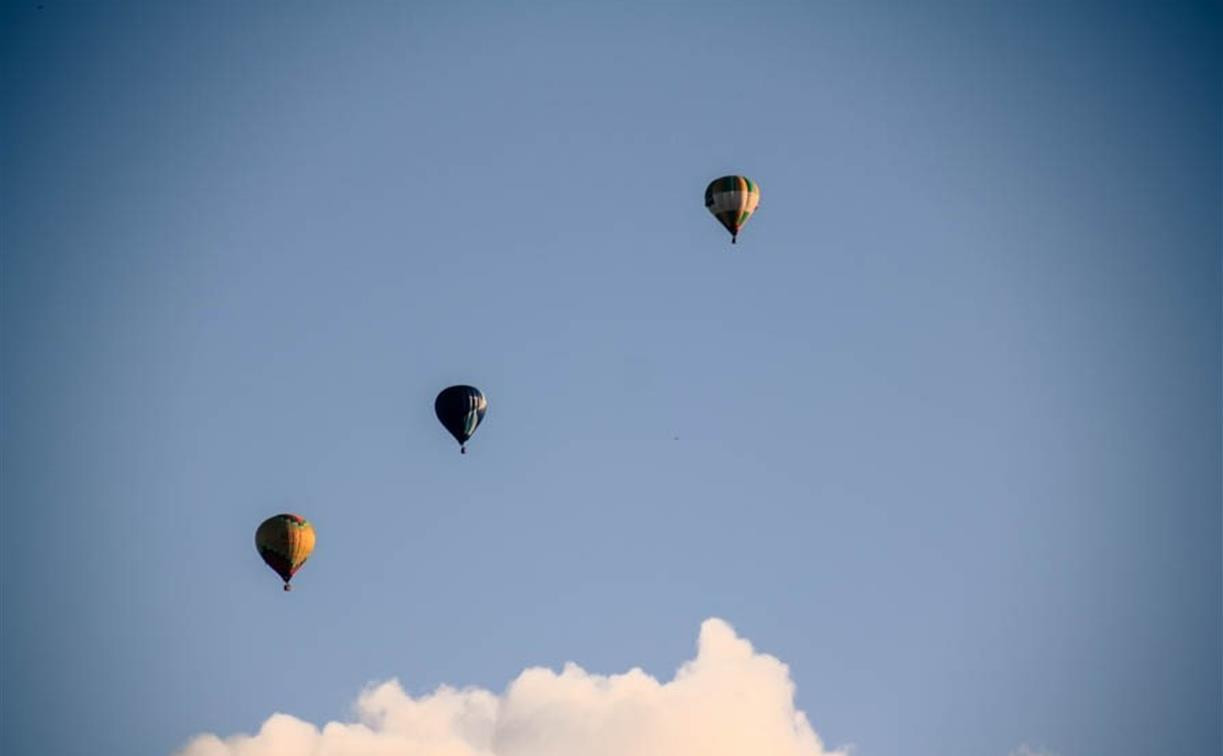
[[942, 432]]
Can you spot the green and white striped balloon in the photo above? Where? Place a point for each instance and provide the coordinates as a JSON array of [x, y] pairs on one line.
[[732, 200]]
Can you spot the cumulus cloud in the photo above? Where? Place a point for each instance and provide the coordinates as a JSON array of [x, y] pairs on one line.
[[729, 700]]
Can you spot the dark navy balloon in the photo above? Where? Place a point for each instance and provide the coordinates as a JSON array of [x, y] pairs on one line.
[[460, 410]]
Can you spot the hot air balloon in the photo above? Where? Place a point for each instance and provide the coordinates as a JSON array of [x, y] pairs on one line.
[[460, 409], [285, 542], [732, 200]]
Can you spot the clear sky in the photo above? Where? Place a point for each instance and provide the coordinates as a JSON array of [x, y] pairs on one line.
[[941, 433]]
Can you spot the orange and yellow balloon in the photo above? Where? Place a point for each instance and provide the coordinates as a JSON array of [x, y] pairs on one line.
[[285, 542]]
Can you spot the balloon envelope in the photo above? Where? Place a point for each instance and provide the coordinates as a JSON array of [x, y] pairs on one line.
[[460, 410], [732, 200], [285, 542]]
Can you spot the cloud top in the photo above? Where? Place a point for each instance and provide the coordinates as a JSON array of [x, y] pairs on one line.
[[729, 700], [1027, 750]]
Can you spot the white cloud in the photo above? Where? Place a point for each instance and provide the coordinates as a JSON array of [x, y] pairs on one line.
[[729, 700], [1027, 750]]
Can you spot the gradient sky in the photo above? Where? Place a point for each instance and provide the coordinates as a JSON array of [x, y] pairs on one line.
[[948, 416]]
